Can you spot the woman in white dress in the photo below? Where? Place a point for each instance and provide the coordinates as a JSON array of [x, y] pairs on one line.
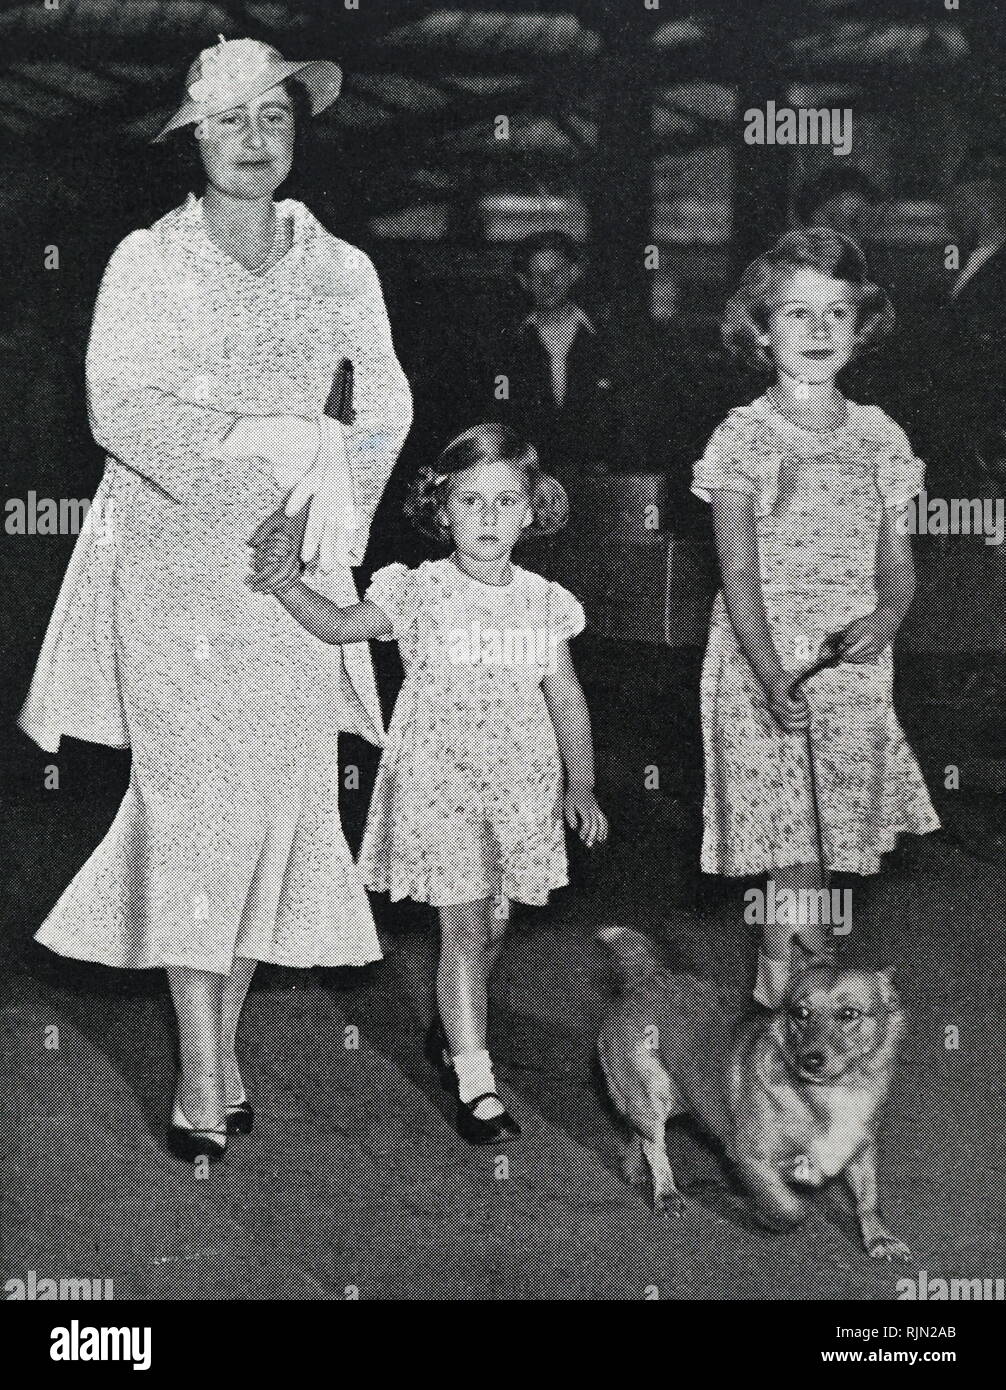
[[216, 336]]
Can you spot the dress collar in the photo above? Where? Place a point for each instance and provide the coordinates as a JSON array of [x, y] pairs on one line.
[[301, 217], [768, 410], [579, 318]]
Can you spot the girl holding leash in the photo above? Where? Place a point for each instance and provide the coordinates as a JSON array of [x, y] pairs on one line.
[[808, 491], [467, 811]]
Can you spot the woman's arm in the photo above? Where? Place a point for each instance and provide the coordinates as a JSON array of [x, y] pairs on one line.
[[134, 415], [383, 400], [358, 622], [570, 717]]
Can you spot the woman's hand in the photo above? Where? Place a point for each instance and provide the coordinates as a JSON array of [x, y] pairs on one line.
[[326, 490], [792, 712], [865, 639], [584, 815]]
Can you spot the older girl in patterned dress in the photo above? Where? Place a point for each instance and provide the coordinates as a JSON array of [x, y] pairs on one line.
[[808, 493], [467, 812]]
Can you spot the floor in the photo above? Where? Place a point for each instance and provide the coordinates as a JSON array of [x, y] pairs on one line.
[[354, 1182]]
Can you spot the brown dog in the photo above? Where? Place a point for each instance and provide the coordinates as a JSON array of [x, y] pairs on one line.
[[795, 1097]]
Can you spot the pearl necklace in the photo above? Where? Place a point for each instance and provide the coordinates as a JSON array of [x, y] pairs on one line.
[[826, 429], [260, 264]]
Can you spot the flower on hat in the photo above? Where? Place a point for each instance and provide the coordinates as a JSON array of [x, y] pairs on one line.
[[228, 69]]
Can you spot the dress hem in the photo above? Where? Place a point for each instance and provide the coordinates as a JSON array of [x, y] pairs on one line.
[[866, 863], [147, 964], [416, 895]]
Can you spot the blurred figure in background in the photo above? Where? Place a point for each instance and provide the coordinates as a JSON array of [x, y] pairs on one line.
[[977, 297], [962, 414], [844, 199], [559, 392]]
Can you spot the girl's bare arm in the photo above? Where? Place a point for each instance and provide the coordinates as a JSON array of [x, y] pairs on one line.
[[895, 567], [867, 637], [570, 716], [737, 550], [358, 622]]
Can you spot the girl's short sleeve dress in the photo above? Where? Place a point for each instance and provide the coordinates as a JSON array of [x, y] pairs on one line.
[[467, 803], [819, 499], [228, 841]]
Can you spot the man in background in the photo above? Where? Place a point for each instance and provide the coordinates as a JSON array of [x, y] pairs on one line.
[[844, 199], [552, 380], [960, 429]]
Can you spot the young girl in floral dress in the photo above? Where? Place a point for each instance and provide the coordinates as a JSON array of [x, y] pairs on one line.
[[467, 812], [809, 492]]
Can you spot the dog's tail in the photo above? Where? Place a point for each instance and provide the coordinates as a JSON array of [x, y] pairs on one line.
[[635, 956]]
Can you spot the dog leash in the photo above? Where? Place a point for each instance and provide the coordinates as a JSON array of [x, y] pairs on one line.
[[832, 657]]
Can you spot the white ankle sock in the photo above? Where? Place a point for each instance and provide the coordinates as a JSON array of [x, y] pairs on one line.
[[475, 1078], [771, 981]]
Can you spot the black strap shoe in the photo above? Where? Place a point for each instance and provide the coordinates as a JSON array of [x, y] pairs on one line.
[[190, 1144], [240, 1118], [478, 1131]]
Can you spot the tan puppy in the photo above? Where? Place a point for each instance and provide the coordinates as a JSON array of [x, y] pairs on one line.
[[795, 1097]]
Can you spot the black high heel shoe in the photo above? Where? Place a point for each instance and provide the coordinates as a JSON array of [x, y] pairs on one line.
[[436, 1052], [190, 1144], [478, 1131]]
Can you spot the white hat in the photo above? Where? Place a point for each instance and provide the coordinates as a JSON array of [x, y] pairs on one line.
[[235, 71]]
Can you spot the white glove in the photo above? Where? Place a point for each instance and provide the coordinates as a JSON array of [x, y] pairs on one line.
[[331, 527], [289, 443]]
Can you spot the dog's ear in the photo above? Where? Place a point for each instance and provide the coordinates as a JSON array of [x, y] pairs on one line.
[[890, 996]]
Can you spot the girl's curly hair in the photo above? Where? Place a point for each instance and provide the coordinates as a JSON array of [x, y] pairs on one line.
[[486, 443], [747, 312]]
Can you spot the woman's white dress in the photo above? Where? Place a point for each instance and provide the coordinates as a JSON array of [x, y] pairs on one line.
[[228, 841]]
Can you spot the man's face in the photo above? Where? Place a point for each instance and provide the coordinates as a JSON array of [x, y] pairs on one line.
[[549, 280]]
